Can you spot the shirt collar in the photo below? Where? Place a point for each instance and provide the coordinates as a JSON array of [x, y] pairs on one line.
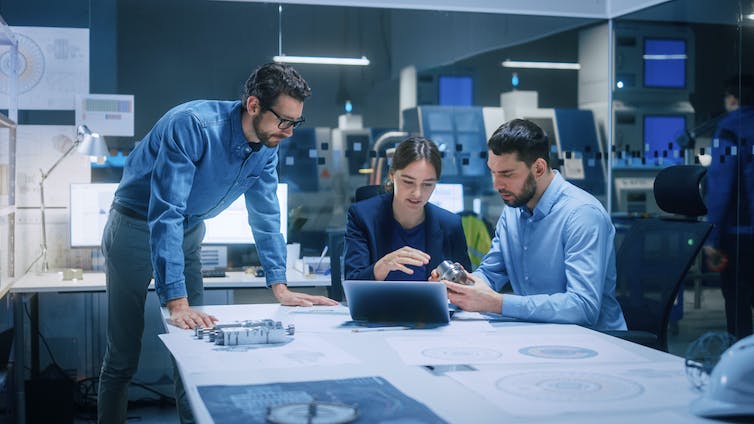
[[548, 199], [239, 144]]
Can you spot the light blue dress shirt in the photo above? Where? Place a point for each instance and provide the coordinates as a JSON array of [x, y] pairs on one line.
[[192, 165], [558, 258]]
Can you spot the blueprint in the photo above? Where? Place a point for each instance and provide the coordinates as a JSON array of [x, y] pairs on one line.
[[374, 397]]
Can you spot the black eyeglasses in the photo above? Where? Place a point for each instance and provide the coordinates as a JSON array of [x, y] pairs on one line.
[[284, 123]]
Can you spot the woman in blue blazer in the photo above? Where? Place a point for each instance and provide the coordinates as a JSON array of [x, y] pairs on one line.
[[399, 235]]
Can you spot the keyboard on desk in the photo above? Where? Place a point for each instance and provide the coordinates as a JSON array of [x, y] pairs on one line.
[[213, 273]]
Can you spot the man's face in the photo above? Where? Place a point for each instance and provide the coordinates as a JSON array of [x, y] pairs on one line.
[[267, 124], [512, 179]]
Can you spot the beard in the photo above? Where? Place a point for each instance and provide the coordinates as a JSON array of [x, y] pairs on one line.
[[264, 137], [526, 194]]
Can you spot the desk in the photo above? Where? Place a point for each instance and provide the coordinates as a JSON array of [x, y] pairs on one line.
[[469, 371], [31, 284]]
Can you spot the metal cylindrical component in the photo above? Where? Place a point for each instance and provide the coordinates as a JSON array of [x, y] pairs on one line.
[[453, 272]]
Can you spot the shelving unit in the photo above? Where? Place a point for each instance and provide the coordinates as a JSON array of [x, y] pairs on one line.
[[8, 165]]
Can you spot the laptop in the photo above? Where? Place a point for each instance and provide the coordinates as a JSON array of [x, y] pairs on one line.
[[405, 302]]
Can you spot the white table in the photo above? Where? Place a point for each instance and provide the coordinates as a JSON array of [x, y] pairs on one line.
[[501, 372], [92, 282]]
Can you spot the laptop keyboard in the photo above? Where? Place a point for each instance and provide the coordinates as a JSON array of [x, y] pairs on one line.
[[213, 273]]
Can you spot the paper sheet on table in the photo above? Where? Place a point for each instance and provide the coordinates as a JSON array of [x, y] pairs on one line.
[[538, 391], [319, 318], [510, 348], [305, 350]]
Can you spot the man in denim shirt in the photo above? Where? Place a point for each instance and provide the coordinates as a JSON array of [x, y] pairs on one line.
[[199, 157], [553, 242]]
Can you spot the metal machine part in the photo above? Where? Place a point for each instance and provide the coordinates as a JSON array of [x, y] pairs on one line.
[[453, 272], [312, 412], [264, 331]]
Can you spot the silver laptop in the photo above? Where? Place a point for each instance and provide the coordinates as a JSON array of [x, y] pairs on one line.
[[405, 302]]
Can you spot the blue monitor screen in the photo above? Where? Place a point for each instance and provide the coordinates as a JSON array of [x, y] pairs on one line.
[[660, 135], [664, 63], [456, 91]]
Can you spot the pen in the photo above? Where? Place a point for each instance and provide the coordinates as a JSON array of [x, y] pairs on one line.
[[367, 330], [321, 258]]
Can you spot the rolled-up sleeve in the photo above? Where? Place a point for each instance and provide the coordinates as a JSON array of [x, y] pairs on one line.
[[182, 144]]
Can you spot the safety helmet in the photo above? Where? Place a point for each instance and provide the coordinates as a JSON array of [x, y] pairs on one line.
[[730, 391]]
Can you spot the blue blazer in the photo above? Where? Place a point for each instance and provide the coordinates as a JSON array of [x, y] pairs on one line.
[[367, 236]]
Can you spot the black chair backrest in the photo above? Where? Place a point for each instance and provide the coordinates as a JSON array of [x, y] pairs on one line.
[[656, 253], [365, 192], [677, 190]]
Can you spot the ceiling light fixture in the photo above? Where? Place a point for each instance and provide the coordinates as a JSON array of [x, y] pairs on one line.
[[540, 65], [318, 60], [353, 61]]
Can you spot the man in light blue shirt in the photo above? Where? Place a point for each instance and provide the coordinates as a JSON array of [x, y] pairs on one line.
[[197, 159], [553, 242]]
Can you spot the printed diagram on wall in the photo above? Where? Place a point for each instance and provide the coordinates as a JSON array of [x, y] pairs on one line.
[[52, 67], [30, 66]]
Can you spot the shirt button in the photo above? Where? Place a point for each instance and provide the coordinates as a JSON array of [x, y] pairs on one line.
[[526, 247], [526, 278], [247, 150]]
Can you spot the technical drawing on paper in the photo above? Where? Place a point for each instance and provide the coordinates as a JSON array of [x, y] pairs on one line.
[[461, 355], [376, 399], [558, 352], [30, 66], [565, 386]]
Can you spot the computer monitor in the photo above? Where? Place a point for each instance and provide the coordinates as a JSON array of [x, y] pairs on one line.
[[661, 133], [664, 63], [231, 226], [448, 197], [90, 207], [456, 90]]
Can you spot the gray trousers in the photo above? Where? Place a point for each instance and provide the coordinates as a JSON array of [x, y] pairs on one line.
[[128, 266]]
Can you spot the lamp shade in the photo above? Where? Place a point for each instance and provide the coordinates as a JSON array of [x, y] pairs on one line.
[[91, 143]]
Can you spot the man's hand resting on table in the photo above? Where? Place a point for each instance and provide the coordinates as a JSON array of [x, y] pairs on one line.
[[182, 316], [290, 298]]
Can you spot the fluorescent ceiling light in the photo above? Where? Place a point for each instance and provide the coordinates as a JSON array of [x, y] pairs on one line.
[[540, 65], [664, 56], [749, 16], [353, 61]]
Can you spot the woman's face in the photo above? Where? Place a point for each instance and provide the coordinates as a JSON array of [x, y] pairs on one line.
[[413, 185]]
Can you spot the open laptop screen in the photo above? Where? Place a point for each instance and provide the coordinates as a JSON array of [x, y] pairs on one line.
[[406, 302]]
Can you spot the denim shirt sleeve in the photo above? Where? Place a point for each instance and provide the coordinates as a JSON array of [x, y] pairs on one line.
[[182, 144], [264, 218], [587, 236]]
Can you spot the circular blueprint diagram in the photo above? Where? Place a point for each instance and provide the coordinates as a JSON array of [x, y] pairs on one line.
[[568, 386], [30, 65], [558, 352]]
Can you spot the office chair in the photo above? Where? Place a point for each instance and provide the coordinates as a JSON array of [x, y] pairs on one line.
[[336, 245], [367, 191], [657, 253]]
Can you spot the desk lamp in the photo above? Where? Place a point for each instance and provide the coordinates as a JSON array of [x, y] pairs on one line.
[[87, 143]]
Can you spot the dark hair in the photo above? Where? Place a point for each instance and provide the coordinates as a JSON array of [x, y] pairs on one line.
[[522, 137], [270, 80], [741, 87], [413, 149]]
